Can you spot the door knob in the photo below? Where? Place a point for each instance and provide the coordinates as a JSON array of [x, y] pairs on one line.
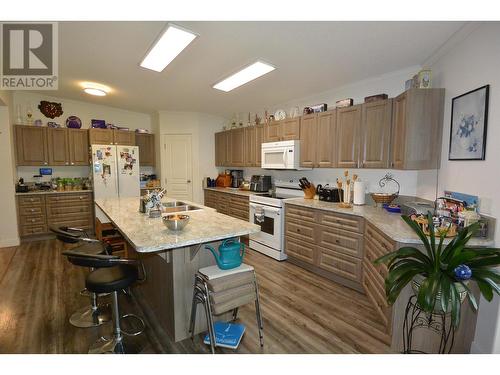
[[188, 181]]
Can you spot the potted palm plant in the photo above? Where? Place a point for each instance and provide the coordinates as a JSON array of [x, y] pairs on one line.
[[440, 275]]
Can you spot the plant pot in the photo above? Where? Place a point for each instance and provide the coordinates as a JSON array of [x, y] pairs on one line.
[[462, 292]]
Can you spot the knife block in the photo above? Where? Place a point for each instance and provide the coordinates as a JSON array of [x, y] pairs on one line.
[[309, 192]]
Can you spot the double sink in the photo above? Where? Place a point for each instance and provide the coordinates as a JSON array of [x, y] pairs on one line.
[[178, 206]]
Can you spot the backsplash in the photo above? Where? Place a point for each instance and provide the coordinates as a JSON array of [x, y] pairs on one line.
[[409, 180], [27, 173]]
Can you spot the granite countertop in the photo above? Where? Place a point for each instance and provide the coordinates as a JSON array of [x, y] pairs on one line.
[[235, 191], [36, 192], [150, 235], [389, 223]]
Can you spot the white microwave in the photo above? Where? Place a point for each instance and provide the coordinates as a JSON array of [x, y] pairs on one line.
[[281, 155]]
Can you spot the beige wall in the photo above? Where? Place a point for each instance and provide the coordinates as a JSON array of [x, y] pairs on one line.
[[9, 235], [465, 66], [202, 127]]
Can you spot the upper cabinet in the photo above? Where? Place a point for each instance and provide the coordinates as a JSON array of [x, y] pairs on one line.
[[283, 130], [237, 148], [111, 137], [146, 143], [51, 146], [376, 120], [348, 136], [221, 144], [317, 140], [417, 129], [31, 145], [259, 139], [250, 146]]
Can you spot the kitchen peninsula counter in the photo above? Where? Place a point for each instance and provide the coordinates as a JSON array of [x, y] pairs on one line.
[[171, 259], [391, 224]]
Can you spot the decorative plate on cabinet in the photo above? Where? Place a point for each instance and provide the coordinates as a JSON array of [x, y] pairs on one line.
[[279, 115], [73, 122]]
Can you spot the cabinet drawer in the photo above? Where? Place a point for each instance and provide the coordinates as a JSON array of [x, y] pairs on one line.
[[84, 209], [371, 254], [301, 213], [32, 220], [301, 230], [339, 221], [376, 294], [340, 264], [64, 199], [27, 230], [76, 222], [300, 250], [240, 214], [33, 210], [345, 242], [31, 200], [384, 244]]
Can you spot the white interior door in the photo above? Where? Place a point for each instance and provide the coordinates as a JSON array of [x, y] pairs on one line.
[[178, 163]]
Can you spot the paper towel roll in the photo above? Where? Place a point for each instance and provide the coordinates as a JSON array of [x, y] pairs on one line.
[[359, 192]]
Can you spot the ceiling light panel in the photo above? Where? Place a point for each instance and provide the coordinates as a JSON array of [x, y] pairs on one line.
[[245, 75], [167, 47]]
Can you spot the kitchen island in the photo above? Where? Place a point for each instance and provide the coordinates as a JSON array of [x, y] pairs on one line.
[[171, 259]]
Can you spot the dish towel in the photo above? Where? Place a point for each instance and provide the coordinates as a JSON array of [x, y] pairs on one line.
[[259, 214]]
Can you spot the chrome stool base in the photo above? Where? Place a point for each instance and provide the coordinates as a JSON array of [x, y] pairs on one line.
[[113, 346], [87, 316]]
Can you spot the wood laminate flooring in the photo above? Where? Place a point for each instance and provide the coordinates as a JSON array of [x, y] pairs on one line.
[[303, 312]]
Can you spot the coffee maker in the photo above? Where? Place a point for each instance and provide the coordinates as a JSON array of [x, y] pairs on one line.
[[237, 178]]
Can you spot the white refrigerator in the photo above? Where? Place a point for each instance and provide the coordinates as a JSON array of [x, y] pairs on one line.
[[115, 173]]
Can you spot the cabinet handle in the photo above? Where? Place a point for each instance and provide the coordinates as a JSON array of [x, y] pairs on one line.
[[81, 197], [32, 210], [337, 241], [67, 163], [45, 163], [72, 163], [32, 200]]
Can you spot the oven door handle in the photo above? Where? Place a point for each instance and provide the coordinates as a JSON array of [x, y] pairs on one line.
[[266, 208]]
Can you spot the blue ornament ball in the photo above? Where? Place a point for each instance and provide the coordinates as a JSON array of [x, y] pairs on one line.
[[462, 272]]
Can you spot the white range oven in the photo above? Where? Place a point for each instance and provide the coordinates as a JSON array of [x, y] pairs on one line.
[[268, 211]]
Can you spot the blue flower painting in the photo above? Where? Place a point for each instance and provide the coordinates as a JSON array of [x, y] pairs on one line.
[[468, 125]]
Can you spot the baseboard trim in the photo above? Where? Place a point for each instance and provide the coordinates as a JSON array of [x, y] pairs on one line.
[[475, 349], [9, 242]]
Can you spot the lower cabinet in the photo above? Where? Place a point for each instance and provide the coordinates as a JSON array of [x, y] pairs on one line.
[[37, 212], [230, 204], [377, 244], [326, 243]]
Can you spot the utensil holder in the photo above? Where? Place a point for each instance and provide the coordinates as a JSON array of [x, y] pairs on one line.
[[309, 192]]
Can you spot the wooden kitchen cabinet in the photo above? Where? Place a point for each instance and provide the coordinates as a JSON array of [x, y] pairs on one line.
[[317, 140], [376, 244], [326, 243], [237, 142], [348, 136], [123, 137], [376, 121], [417, 127], [222, 149], [36, 212], [78, 141], [146, 143], [101, 136], [250, 147], [58, 146], [111, 137], [31, 145], [234, 205], [308, 136], [259, 139], [290, 129], [273, 131], [283, 130]]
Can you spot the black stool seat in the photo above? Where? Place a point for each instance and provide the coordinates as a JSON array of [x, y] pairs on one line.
[[107, 280], [91, 248]]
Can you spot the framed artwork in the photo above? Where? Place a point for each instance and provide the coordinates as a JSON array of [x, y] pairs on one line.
[[469, 120]]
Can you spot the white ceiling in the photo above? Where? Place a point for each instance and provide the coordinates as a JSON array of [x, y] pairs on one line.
[[310, 57]]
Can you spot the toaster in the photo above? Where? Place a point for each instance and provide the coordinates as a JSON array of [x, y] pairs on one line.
[[417, 208], [329, 194], [260, 183]]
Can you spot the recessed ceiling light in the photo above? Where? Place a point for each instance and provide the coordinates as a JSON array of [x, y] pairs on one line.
[[245, 75], [93, 88], [173, 40], [96, 92]]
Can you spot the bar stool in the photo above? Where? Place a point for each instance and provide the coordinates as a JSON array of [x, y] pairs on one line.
[[221, 291], [112, 275], [95, 314]]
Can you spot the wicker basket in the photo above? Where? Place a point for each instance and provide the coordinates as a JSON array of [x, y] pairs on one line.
[[382, 198]]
